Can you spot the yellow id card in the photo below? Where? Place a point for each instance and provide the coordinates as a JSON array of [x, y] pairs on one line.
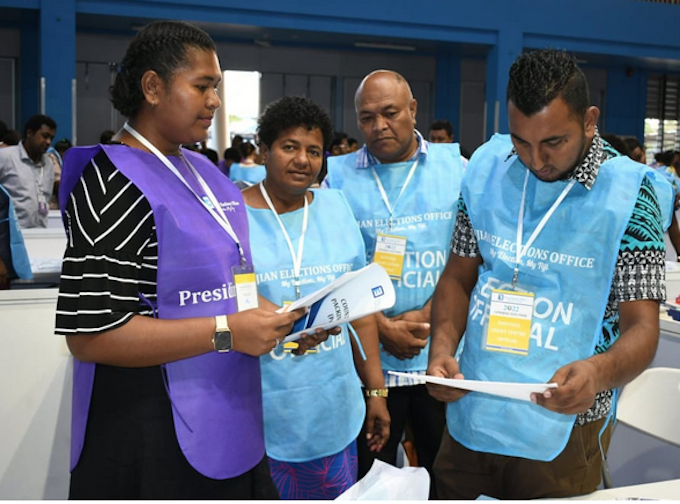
[[246, 287], [509, 325], [389, 253]]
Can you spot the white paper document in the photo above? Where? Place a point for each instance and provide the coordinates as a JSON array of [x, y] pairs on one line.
[[354, 295], [521, 391]]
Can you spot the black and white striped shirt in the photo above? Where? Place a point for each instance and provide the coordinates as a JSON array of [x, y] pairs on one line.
[[110, 263]]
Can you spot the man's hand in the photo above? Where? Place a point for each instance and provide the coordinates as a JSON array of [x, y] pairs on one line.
[[444, 367], [398, 339], [577, 385], [377, 423], [419, 317]]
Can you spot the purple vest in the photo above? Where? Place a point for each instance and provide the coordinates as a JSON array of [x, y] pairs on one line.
[[216, 398]]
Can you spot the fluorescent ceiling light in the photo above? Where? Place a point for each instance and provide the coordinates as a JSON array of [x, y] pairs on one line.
[[377, 45]]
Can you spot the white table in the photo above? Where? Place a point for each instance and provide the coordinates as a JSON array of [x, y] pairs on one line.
[[666, 490]]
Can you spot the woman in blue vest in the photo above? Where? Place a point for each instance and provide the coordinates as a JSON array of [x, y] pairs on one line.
[[247, 171], [167, 397], [303, 239]]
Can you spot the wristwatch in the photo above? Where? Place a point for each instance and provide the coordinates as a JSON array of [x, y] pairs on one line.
[[221, 339]]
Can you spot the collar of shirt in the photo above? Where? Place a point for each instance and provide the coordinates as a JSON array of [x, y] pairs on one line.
[[365, 159], [25, 157], [587, 171]]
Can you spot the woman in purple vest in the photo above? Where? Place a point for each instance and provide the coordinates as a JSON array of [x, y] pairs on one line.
[[156, 296]]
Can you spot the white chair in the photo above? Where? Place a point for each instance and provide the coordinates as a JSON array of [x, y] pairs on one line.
[[651, 404]]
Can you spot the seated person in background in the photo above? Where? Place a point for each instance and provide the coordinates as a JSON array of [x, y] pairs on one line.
[[14, 260], [310, 441], [27, 172], [635, 149], [616, 142], [106, 136], [339, 144], [352, 144], [441, 131], [211, 154], [231, 156], [248, 170], [236, 141]]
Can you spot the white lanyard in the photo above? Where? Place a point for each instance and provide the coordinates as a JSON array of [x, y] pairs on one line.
[[521, 250], [297, 259], [403, 188], [213, 206]]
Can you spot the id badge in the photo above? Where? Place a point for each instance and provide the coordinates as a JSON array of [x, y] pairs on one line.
[[508, 328], [289, 346], [246, 287], [43, 208], [389, 253]]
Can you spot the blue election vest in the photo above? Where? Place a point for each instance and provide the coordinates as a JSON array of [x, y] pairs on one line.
[[313, 405], [250, 174], [425, 215], [569, 268], [20, 260]]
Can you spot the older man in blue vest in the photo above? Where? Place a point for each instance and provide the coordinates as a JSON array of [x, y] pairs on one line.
[[403, 192]]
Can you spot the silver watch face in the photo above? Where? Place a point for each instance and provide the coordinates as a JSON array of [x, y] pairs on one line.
[[222, 341]]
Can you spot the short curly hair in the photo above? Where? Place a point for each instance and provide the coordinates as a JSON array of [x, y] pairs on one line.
[[160, 46], [293, 111], [538, 77]]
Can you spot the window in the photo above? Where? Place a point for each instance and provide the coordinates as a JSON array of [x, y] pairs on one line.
[[663, 113]]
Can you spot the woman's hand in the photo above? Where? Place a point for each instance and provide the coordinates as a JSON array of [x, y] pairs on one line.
[[256, 332]]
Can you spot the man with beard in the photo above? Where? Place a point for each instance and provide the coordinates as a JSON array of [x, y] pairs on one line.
[[555, 276]]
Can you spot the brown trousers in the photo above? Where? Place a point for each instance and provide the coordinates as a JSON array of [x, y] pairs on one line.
[[462, 474]]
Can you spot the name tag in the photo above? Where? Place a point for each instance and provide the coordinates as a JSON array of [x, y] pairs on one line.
[[246, 287], [389, 253], [509, 326]]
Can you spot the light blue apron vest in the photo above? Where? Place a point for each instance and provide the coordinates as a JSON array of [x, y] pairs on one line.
[[425, 215], [20, 260], [569, 268], [249, 174], [313, 405]]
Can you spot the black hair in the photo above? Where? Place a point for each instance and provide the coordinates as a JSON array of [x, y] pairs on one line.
[[11, 137], [63, 145], [617, 142], [245, 149], [538, 77], [338, 137], [232, 154], [632, 143], [211, 154], [351, 141], [442, 124], [36, 122], [160, 46], [106, 136], [292, 111], [665, 158]]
